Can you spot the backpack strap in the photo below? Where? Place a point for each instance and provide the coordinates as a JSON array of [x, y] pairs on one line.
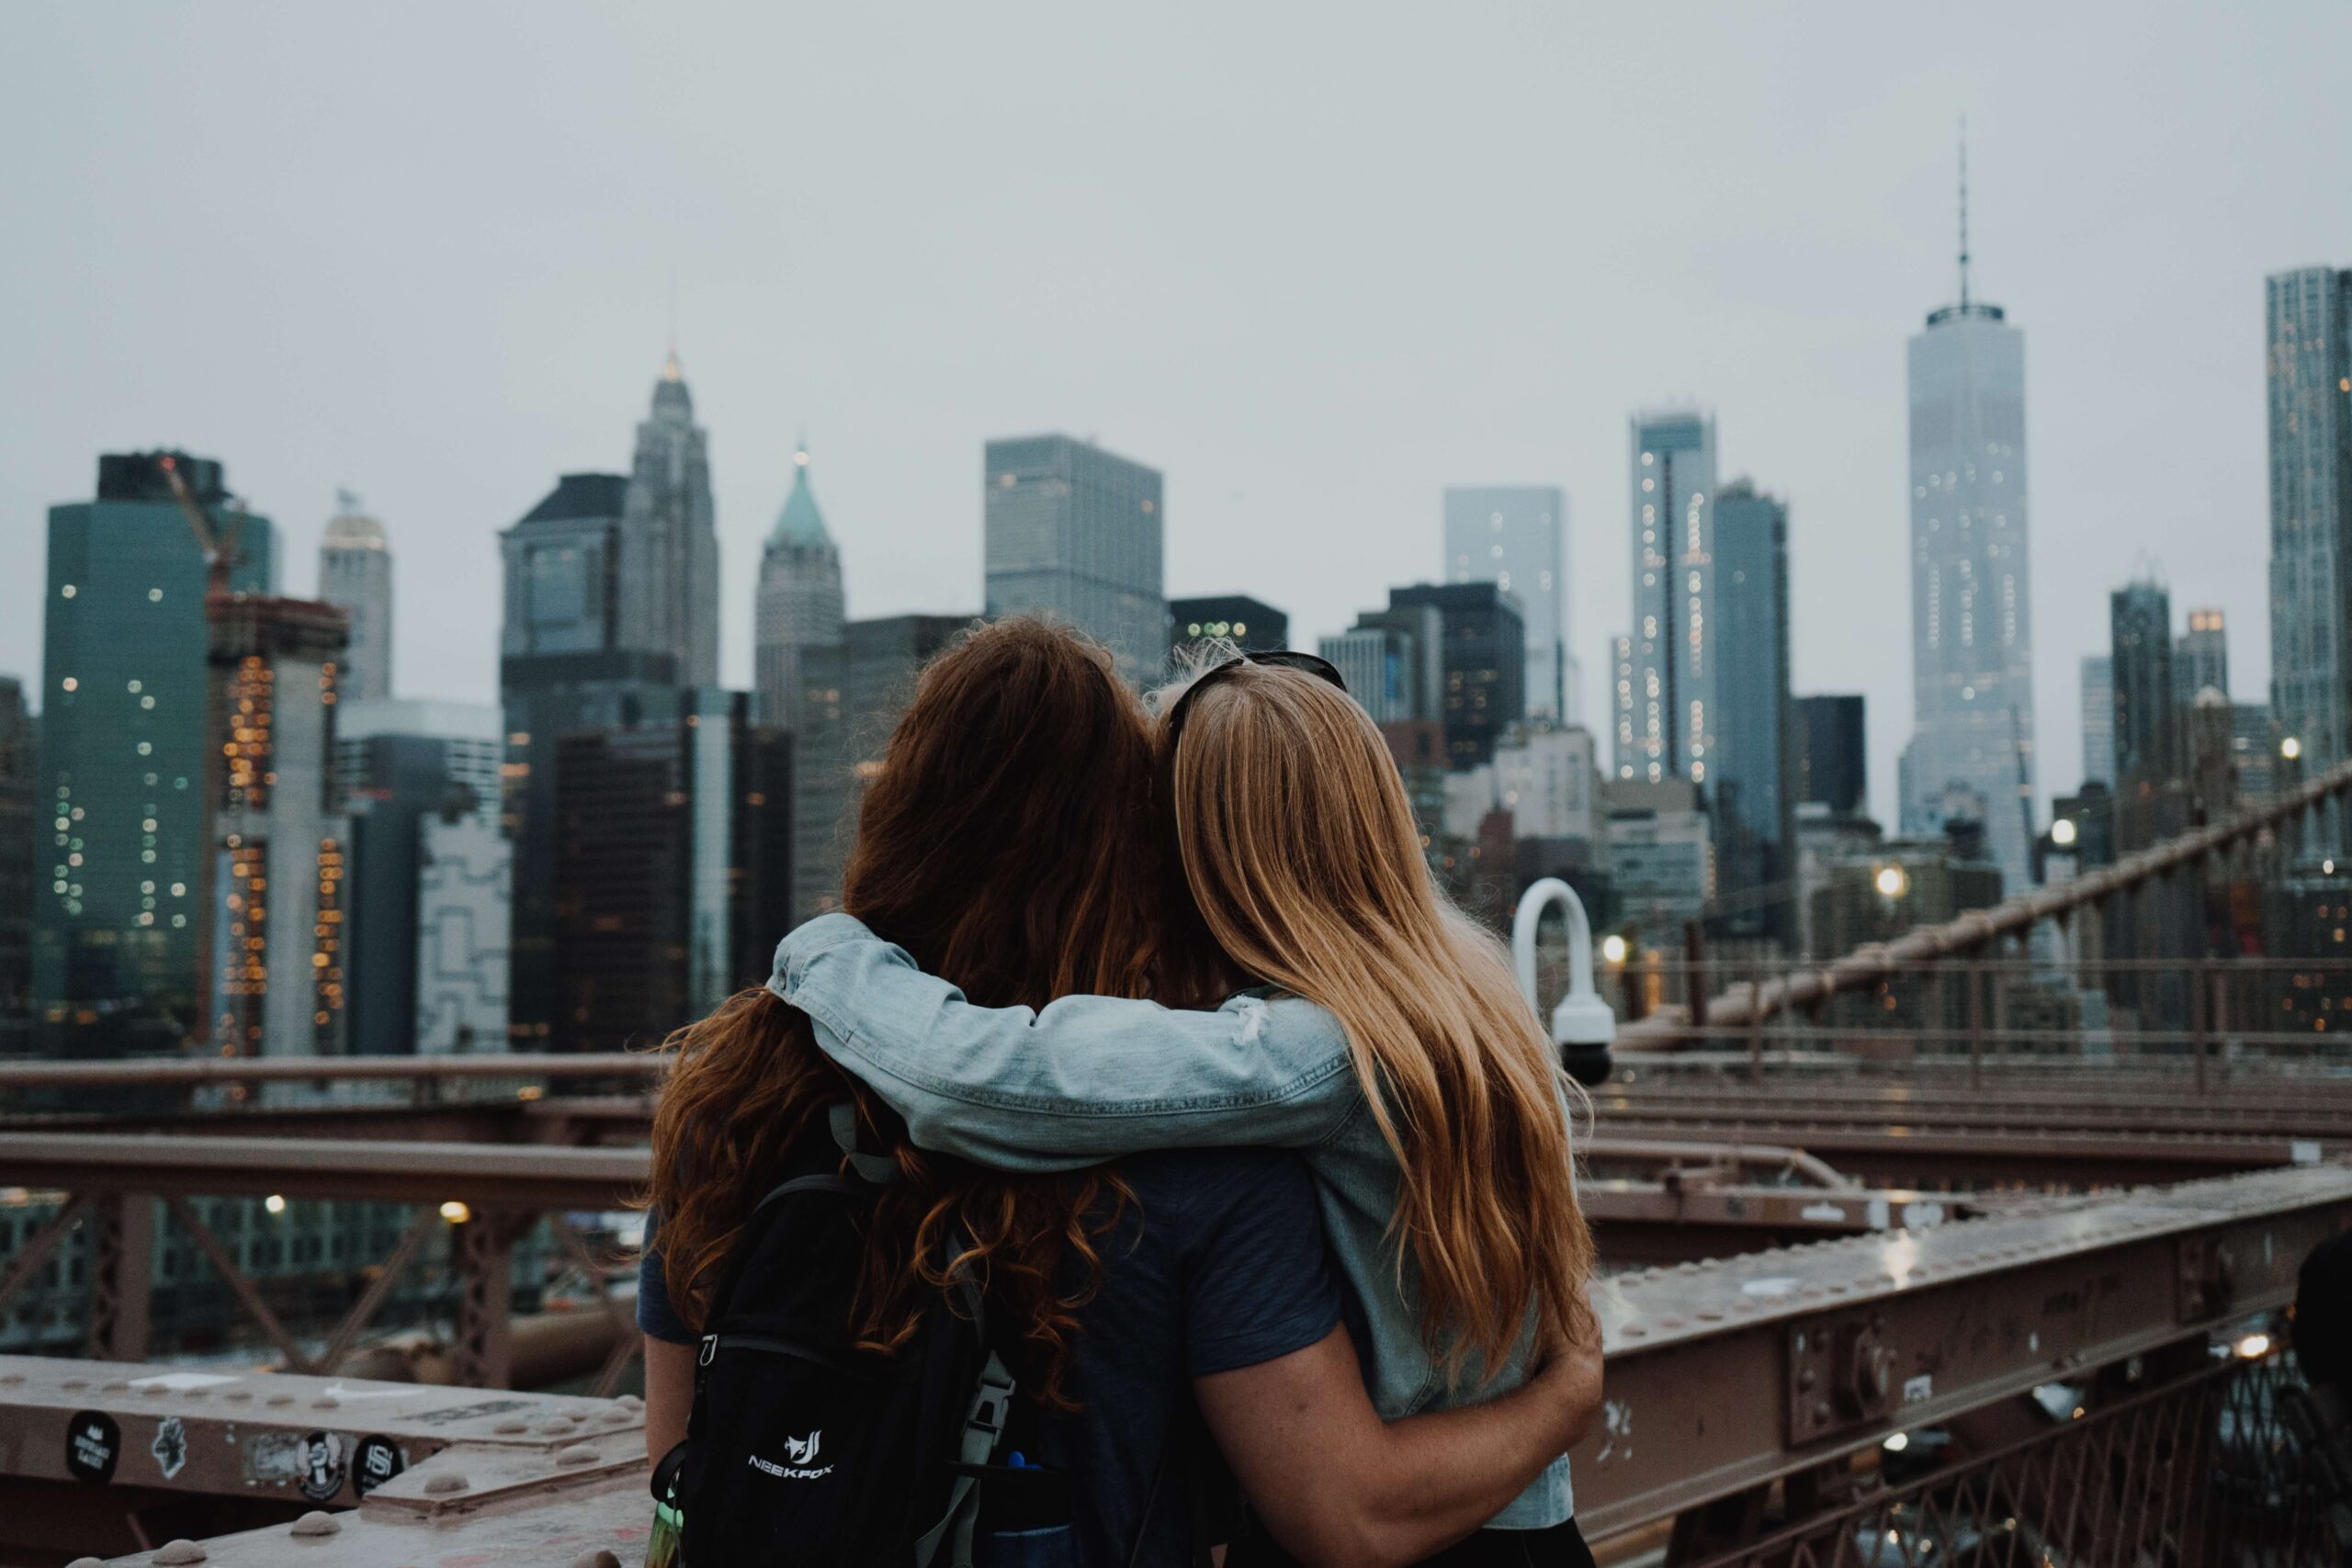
[[879, 1169], [983, 1430]]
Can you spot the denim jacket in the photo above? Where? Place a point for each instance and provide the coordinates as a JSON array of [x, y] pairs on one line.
[[1089, 1078]]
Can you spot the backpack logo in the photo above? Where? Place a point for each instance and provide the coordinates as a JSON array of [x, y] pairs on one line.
[[799, 1454]]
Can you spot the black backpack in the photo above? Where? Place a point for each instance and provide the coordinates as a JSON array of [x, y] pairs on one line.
[[805, 1450]]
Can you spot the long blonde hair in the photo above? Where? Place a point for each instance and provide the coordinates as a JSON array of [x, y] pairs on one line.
[[1303, 858]]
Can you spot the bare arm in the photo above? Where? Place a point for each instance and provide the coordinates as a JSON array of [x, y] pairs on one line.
[[1337, 1488], [669, 1394]]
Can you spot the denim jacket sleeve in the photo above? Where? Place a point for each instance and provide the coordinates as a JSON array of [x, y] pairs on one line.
[[1086, 1079]]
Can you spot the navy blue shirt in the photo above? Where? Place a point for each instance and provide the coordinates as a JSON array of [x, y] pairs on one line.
[[1218, 1264]]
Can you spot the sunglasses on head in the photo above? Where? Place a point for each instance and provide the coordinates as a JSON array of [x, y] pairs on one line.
[[1321, 668]]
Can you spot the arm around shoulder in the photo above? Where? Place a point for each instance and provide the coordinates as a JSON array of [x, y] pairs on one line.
[[1085, 1079]]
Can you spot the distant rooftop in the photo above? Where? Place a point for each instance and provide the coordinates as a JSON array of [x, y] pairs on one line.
[[579, 496]]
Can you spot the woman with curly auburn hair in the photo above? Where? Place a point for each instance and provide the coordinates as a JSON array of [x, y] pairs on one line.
[[1009, 841]]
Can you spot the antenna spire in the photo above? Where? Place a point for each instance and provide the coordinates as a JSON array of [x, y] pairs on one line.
[[1963, 215]]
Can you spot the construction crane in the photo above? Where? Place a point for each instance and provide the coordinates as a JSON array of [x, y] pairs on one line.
[[219, 547]]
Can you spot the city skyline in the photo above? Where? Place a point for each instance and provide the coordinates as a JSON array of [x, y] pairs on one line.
[[1318, 500]]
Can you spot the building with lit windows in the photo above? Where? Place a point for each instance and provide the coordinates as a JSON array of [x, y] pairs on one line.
[[1249, 624], [1073, 531], [1971, 608], [1515, 537], [2308, 352], [798, 652], [355, 575], [1483, 663], [1669, 695], [668, 602], [279, 956], [124, 824]]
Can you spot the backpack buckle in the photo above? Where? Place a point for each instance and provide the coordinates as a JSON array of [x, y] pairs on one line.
[[992, 1403], [710, 1351]]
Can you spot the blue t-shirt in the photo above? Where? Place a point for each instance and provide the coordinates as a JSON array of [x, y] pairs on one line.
[[1218, 1264]]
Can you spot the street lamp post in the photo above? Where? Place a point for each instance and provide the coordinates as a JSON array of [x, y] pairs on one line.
[[1582, 1025]]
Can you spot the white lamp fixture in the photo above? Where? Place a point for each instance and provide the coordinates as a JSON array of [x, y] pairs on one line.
[[1582, 1025]]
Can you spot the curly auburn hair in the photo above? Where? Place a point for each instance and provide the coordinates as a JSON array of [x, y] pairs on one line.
[[1008, 843]]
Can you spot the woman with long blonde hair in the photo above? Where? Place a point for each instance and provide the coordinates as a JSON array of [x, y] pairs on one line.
[[1385, 1040]]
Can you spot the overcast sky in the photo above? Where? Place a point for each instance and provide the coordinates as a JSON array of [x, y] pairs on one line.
[[1314, 263]]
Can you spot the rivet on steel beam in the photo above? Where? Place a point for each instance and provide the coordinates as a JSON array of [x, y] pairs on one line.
[[511, 1428], [119, 1385], [279, 1399], [576, 1455], [87, 1562], [446, 1482], [71, 1383], [180, 1551], [326, 1402], [1635, 1331], [238, 1396], [552, 1428], [12, 1378], [317, 1523], [630, 1403], [599, 1558]]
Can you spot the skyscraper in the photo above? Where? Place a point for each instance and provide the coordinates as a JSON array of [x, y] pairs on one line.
[[1484, 663], [1751, 764], [1515, 537], [2308, 340], [673, 868], [355, 575], [118, 920], [278, 934], [1972, 613], [1073, 531], [1671, 691], [801, 604], [397, 765], [2148, 748], [669, 539], [563, 667], [2200, 657], [2098, 719], [1832, 765], [799, 649]]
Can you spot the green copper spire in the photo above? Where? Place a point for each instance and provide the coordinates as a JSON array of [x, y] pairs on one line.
[[799, 522]]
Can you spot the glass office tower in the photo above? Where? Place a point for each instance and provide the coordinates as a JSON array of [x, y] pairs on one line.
[[1075, 531], [123, 822]]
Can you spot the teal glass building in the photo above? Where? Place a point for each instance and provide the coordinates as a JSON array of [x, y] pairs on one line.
[[122, 822]]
